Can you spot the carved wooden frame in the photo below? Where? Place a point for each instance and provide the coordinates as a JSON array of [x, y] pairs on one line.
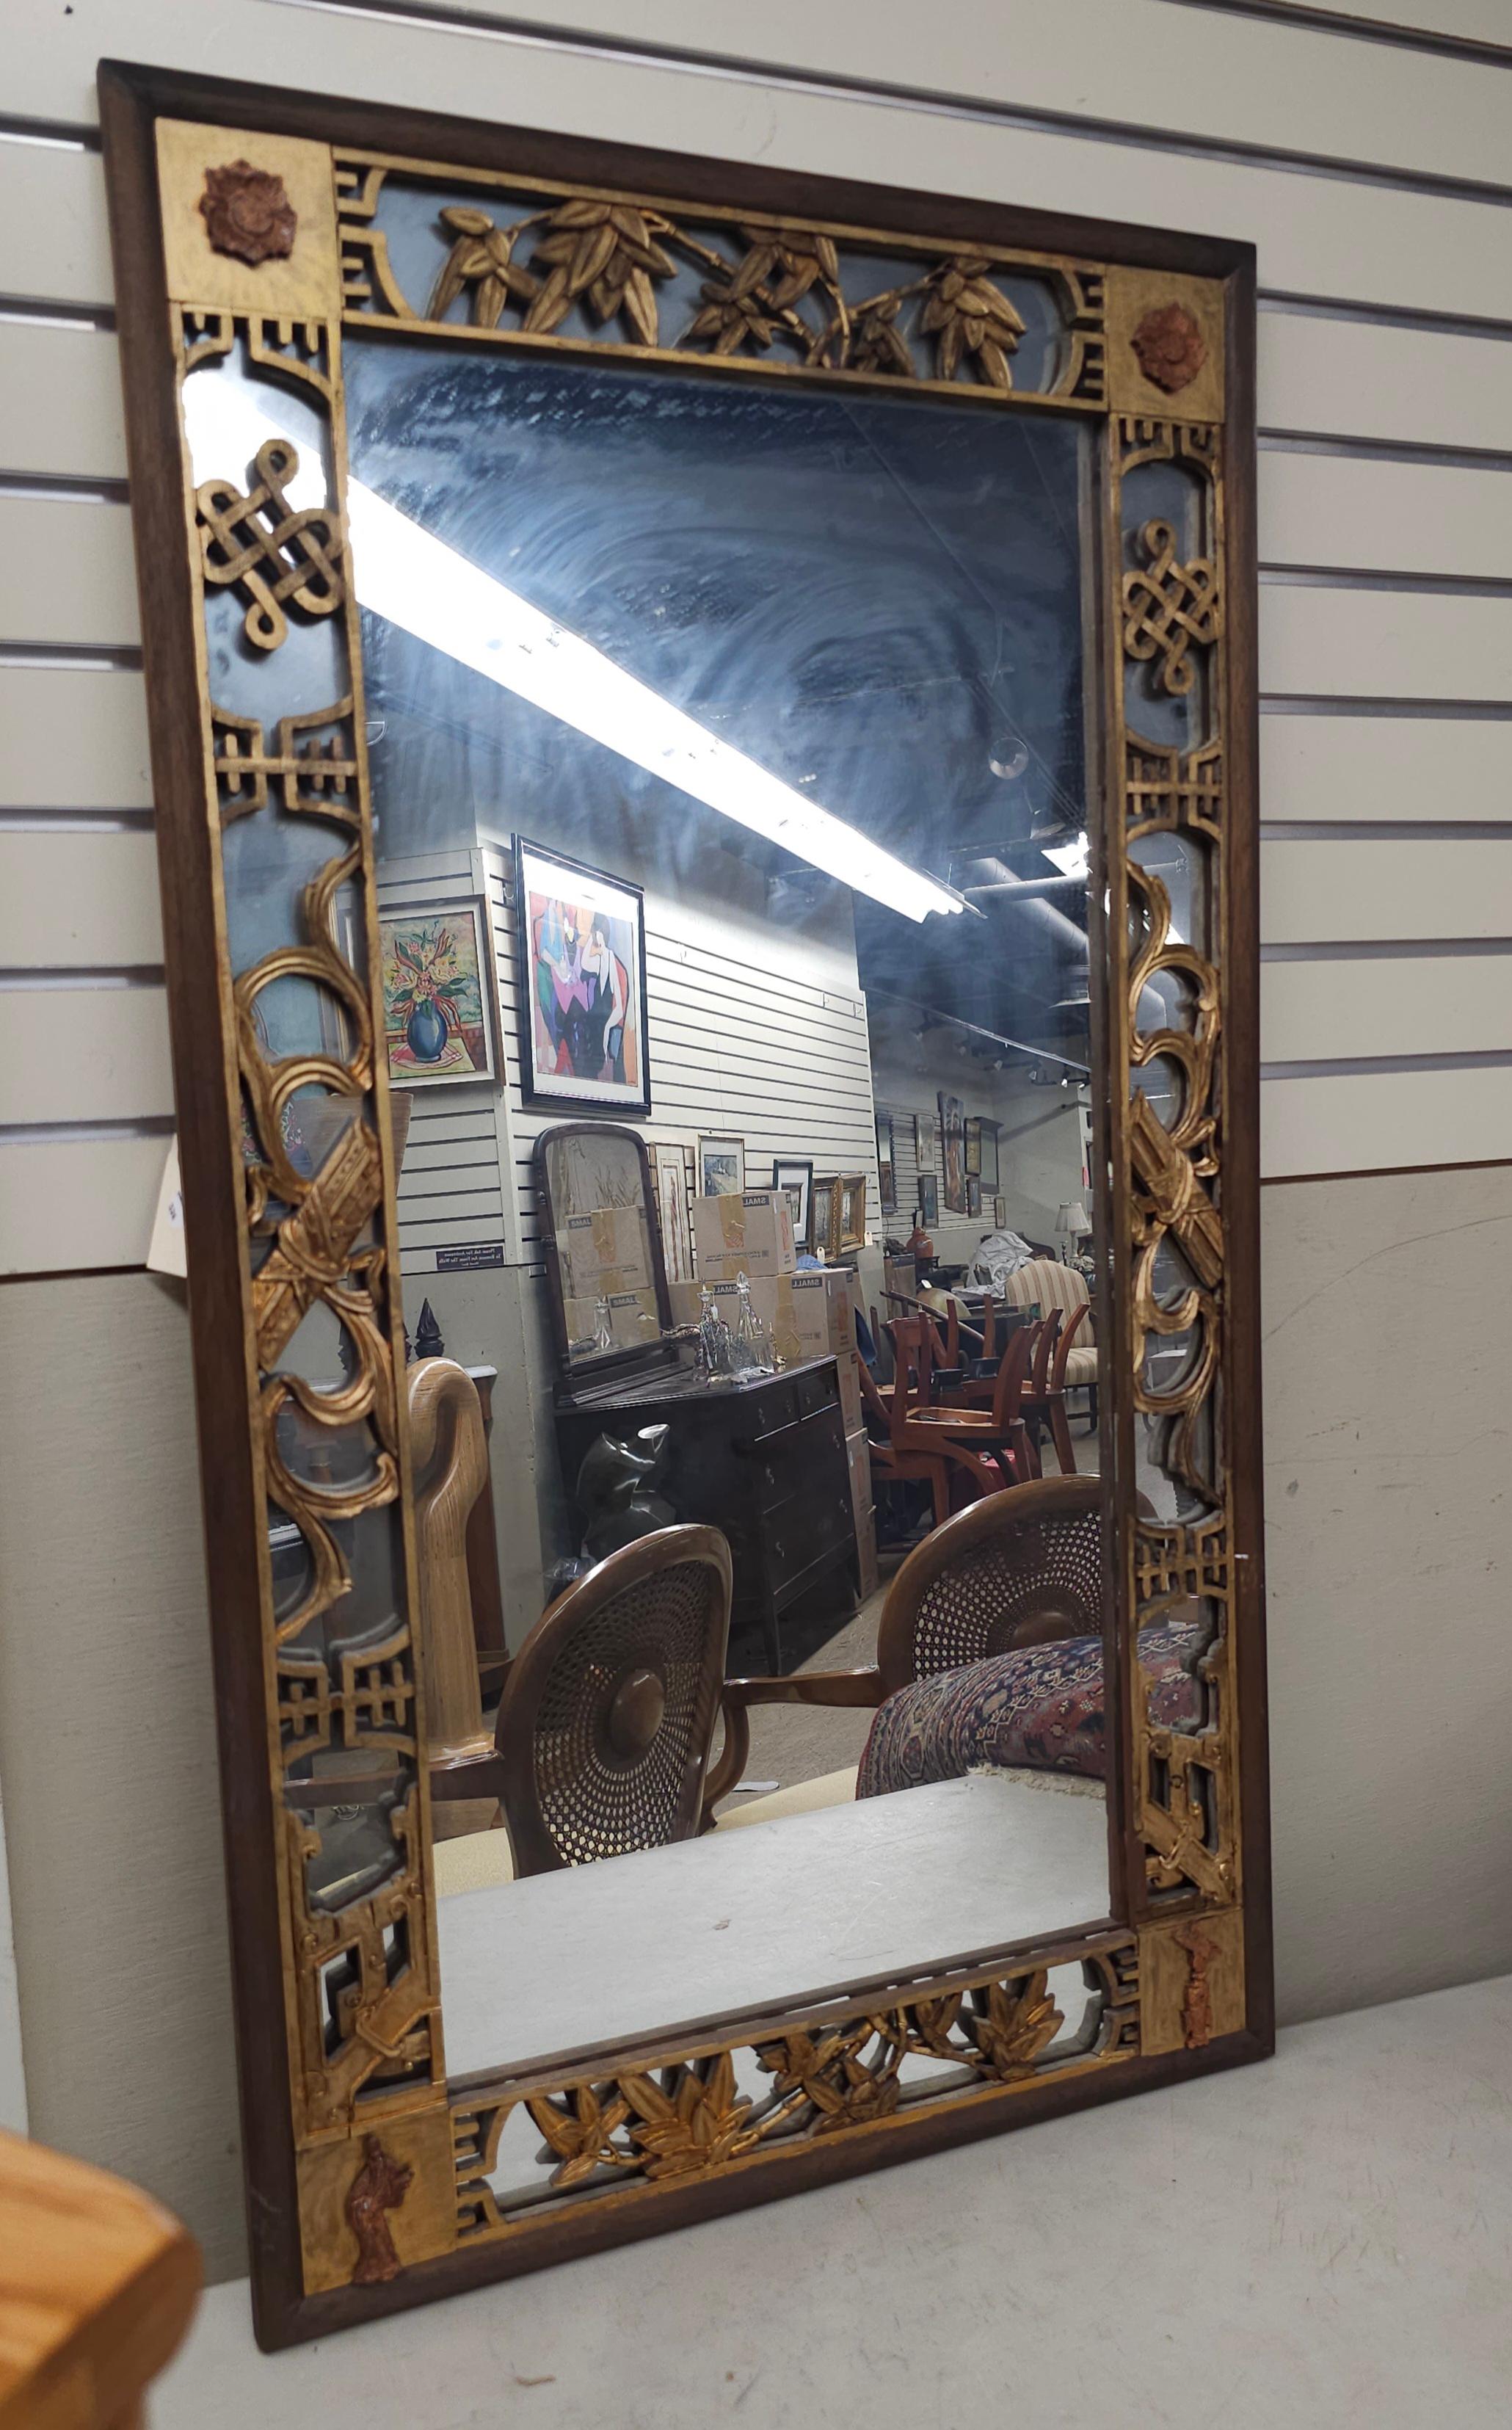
[[367, 2172]]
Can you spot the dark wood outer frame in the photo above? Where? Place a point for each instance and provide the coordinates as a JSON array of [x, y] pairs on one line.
[[608, 1361], [132, 99], [529, 1089]]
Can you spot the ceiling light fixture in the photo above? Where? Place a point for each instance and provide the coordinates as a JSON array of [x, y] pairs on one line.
[[426, 588]]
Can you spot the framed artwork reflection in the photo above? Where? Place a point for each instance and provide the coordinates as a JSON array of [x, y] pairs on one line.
[[794, 1176], [1000, 1213], [953, 1152], [827, 1216], [929, 1198], [988, 1154], [926, 1142], [672, 1171], [583, 977], [973, 1194], [721, 1166], [852, 1210], [973, 1145], [439, 1023], [887, 1184]]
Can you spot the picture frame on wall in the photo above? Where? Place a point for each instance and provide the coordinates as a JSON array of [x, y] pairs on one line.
[[952, 1153], [929, 1198], [794, 1176], [582, 942], [440, 994], [886, 1184], [973, 1145], [973, 1194], [720, 1165], [672, 1172], [826, 1216], [988, 1156], [852, 1210], [926, 1142], [1000, 1213]]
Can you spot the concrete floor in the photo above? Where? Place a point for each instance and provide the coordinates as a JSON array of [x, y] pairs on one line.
[[1322, 2243]]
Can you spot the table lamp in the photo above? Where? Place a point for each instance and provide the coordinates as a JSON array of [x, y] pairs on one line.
[[1073, 1223]]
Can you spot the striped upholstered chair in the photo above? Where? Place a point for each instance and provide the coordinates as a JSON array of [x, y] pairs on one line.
[[1048, 1284]]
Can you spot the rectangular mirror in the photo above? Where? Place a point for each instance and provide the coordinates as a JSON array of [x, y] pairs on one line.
[[703, 729]]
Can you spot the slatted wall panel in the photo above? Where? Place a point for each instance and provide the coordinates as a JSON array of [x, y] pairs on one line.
[[1374, 176]]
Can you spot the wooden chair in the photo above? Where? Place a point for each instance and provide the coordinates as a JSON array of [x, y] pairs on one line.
[[450, 1461], [918, 1420], [947, 1470], [1045, 1394], [609, 1708], [1017, 1569], [98, 2285]]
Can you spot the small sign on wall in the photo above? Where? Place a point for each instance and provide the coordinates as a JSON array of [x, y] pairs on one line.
[[477, 1253]]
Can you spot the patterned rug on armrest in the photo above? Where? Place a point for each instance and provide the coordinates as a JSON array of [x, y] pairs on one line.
[[1042, 1707]]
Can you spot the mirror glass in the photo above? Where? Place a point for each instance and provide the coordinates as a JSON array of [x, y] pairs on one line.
[[737, 799]]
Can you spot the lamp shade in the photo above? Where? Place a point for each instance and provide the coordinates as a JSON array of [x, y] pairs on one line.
[[1074, 1220]]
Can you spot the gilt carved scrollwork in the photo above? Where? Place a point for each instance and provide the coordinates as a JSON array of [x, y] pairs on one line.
[[362, 1994], [1173, 621], [688, 2115], [796, 296]]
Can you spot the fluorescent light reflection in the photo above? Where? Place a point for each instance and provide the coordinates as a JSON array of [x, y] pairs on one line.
[[429, 590]]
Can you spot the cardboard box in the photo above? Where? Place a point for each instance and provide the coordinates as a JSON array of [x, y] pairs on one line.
[[748, 1231], [605, 1251], [853, 1415], [858, 1458], [824, 1311], [633, 1319]]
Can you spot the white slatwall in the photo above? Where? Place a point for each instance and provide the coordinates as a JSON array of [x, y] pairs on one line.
[[1374, 178]]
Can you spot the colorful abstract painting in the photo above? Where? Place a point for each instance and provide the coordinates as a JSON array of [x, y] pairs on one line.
[[583, 1018]]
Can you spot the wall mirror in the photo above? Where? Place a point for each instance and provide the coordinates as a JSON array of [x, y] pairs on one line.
[[663, 676]]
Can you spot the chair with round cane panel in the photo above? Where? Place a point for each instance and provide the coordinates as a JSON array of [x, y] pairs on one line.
[[609, 1708], [1020, 1567]]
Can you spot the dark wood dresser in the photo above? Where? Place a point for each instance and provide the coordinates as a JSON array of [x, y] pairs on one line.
[[763, 1460]]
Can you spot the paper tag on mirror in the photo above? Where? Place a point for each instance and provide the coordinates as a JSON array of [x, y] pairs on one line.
[[166, 1251]]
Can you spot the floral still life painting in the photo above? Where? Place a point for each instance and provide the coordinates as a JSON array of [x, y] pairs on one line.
[[438, 983], [582, 937]]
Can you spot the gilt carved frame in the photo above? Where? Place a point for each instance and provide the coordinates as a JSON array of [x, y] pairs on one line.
[[252, 218]]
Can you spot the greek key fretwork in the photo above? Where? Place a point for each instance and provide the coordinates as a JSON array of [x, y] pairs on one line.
[[273, 551], [1168, 606], [1167, 789], [317, 774], [1178, 1561], [374, 1707], [298, 350]]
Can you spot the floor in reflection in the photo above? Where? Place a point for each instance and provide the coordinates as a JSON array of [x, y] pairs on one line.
[[655, 1941]]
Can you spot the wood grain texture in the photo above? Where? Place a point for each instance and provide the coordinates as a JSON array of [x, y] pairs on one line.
[[98, 2287], [78, 901], [105, 1649]]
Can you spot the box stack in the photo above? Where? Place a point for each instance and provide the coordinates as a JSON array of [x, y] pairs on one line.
[[606, 1255], [746, 1232], [824, 1304]]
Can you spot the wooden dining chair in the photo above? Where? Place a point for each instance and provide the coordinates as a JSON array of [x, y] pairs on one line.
[[608, 1709], [917, 1418], [1015, 1569], [952, 1475]]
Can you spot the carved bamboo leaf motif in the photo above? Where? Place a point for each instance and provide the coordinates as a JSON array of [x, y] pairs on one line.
[[1017, 2022]]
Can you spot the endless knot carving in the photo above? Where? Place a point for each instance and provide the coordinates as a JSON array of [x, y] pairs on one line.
[[276, 552], [1168, 607]]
